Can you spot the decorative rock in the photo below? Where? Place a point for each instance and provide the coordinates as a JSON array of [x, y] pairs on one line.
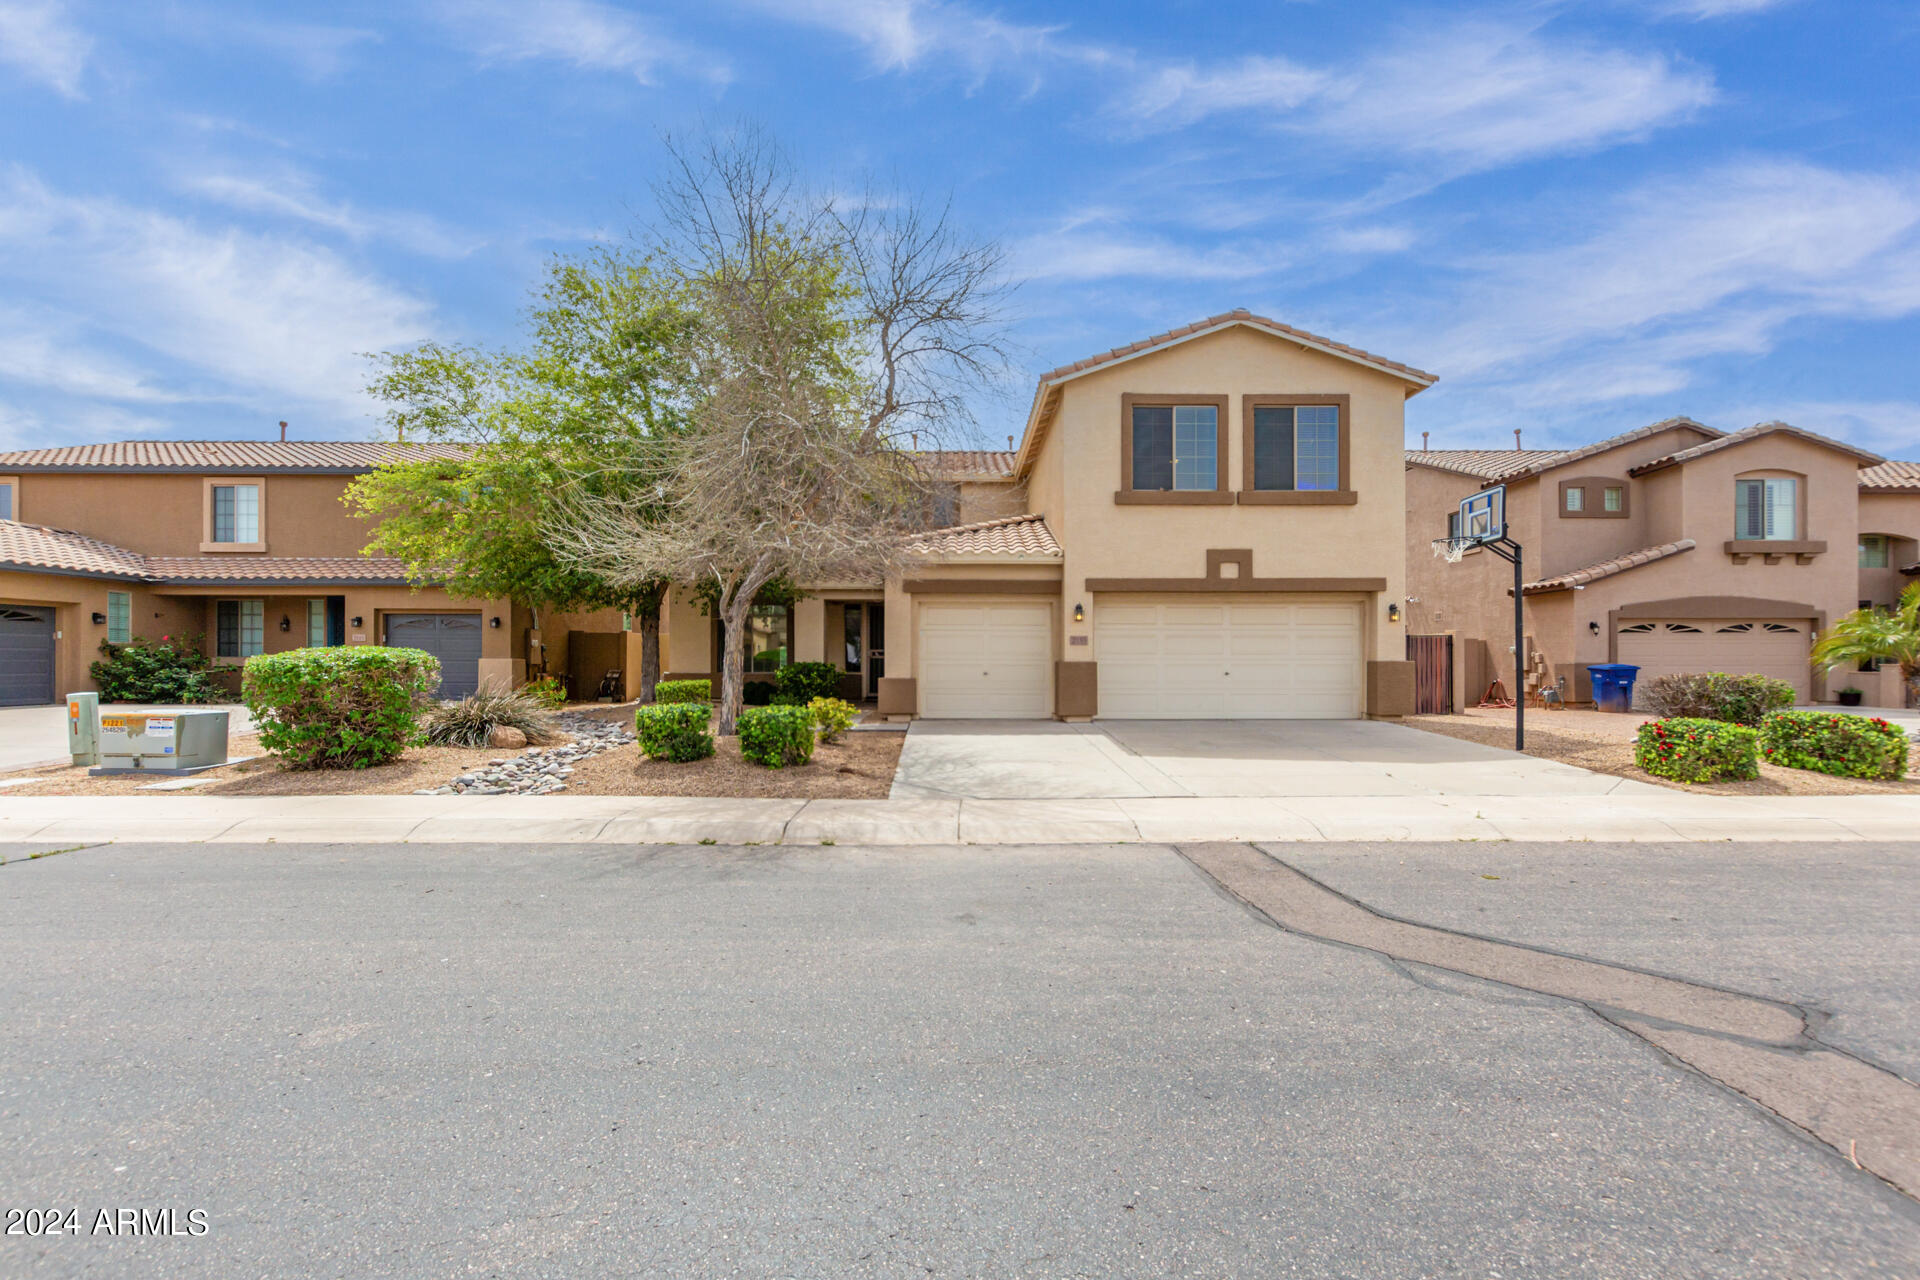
[[506, 738], [540, 771]]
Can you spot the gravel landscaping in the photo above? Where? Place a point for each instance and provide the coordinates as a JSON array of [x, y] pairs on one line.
[[1603, 742]]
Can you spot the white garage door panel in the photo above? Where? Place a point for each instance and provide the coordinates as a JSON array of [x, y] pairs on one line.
[[1740, 646], [986, 661], [1258, 660]]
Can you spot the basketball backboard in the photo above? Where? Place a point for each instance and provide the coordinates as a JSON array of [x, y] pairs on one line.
[[1483, 515]]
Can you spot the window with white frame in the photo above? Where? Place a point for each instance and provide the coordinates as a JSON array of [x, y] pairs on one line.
[[1296, 447], [236, 513], [1873, 551], [1766, 509], [317, 623], [240, 628], [119, 617]]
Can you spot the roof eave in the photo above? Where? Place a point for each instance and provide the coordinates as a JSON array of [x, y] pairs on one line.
[[103, 575]]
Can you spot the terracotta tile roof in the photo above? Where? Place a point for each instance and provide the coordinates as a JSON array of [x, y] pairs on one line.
[[1026, 535], [1240, 315], [969, 464], [1754, 433], [232, 456], [1891, 476], [1488, 464], [1607, 568], [35, 546], [1614, 442], [208, 570]]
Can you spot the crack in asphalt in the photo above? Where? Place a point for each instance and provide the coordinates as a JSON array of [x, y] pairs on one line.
[[1767, 1051]]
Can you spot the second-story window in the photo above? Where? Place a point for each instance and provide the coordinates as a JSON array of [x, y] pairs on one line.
[[1576, 498], [1176, 446], [1873, 551], [1296, 447], [1612, 498], [1766, 509], [236, 513]]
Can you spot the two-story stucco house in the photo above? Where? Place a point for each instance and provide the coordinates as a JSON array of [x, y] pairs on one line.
[[1676, 547], [1209, 523]]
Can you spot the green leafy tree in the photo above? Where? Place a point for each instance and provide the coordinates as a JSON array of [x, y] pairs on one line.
[[1876, 635], [600, 376]]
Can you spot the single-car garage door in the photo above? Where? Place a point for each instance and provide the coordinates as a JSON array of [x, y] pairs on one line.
[[986, 661], [1739, 646], [26, 656], [1229, 661], [454, 638]]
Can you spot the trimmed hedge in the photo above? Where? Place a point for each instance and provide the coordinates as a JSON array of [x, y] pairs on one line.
[[1715, 695], [776, 736], [801, 682], [154, 671], [341, 708], [832, 717], [1829, 742], [675, 731], [683, 691], [1695, 750]]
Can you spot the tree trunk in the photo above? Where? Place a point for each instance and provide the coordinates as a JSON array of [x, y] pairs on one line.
[[649, 654], [733, 626]]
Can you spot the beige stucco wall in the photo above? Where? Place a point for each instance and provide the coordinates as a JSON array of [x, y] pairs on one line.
[[990, 500], [1898, 516], [74, 601], [1079, 469], [165, 515]]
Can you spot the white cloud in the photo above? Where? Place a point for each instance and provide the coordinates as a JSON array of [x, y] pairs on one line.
[[211, 313], [899, 35], [1714, 8], [1681, 271], [1888, 427], [37, 39], [292, 194], [1476, 95], [585, 33]]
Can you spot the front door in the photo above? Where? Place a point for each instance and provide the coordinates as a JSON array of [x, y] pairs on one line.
[[876, 647]]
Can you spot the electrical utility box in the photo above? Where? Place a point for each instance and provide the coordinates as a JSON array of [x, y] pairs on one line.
[[171, 741], [83, 727]]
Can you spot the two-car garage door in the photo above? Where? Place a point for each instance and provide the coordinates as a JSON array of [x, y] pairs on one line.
[[1229, 661], [1740, 646]]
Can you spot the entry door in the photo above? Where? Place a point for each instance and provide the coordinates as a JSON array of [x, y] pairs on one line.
[[986, 661], [1230, 660], [454, 638], [26, 656]]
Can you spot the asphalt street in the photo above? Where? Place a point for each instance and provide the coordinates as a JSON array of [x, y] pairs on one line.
[[997, 1061]]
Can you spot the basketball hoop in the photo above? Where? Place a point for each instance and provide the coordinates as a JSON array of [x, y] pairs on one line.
[[1451, 549]]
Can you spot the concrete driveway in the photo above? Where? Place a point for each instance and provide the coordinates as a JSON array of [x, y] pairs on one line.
[[1041, 759], [38, 735]]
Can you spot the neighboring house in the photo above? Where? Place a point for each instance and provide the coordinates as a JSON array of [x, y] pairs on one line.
[[1676, 547], [1209, 523]]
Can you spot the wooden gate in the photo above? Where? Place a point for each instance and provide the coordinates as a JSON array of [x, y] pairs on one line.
[[1432, 658]]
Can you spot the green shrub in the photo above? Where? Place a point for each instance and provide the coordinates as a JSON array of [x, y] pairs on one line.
[[1828, 742], [675, 731], [344, 708], [802, 682], [1715, 695], [683, 691], [154, 671], [549, 691], [1695, 750], [832, 717], [756, 693], [776, 736], [467, 723]]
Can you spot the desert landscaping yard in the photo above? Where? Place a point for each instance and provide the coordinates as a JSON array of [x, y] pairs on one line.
[[1603, 742]]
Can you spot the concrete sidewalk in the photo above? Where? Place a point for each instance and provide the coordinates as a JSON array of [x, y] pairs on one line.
[[1666, 816]]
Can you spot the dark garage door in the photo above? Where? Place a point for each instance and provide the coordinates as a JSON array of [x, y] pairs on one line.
[[26, 656], [454, 638]]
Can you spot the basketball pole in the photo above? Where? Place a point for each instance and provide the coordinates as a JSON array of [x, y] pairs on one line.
[[1509, 550]]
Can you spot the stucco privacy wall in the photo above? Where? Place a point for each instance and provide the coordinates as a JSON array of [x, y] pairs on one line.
[[1079, 469]]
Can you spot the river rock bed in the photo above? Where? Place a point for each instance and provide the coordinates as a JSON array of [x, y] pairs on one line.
[[539, 771]]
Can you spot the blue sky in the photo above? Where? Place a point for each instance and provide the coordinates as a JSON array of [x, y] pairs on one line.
[[1582, 216]]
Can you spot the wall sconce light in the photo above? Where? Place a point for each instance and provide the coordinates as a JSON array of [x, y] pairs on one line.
[[1393, 613], [1594, 627], [286, 623], [99, 619], [1079, 613], [494, 623], [356, 619]]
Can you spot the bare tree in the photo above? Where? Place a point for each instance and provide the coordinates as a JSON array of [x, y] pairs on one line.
[[819, 340]]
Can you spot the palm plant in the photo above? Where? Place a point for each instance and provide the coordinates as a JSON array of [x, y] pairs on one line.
[[1876, 635]]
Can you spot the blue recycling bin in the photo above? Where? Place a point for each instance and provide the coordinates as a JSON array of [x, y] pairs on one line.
[[1613, 685]]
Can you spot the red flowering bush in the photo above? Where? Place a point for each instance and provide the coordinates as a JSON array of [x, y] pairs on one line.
[[1688, 750], [1828, 742]]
